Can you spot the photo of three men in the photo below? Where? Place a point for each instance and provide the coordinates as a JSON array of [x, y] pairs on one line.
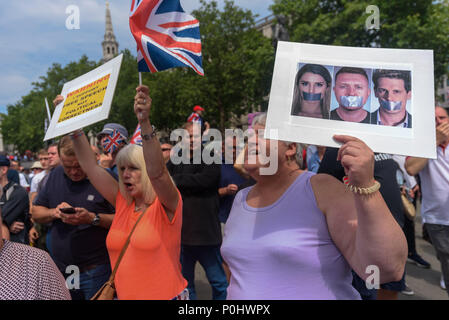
[[364, 95]]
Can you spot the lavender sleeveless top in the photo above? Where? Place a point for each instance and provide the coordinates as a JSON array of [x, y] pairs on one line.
[[284, 251]]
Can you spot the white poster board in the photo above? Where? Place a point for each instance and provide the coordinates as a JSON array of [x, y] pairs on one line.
[[413, 135], [87, 99]]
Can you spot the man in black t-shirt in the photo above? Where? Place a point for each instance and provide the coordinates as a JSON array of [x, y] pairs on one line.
[[385, 170], [351, 91]]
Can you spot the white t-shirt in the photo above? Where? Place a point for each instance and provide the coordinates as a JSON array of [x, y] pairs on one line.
[[410, 181], [36, 179], [435, 189], [23, 180]]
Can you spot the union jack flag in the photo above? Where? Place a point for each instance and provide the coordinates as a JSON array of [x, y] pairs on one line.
[[113, 141], [137, 137], [194, 117], [166, 36]]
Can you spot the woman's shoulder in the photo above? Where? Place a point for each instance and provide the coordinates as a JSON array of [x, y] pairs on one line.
[[122, 205], [157, 206], [328, 190], [326, 184], [120, 200], [243, 192], [324, 180]]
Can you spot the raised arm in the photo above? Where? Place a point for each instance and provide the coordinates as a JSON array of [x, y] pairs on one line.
[[361, 225], [414, 165], [98, 176], [157, 171]]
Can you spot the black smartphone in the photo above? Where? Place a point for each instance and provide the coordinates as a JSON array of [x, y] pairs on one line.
[[68, 210]]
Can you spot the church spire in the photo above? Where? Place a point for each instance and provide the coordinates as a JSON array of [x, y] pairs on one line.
[[109, 44]]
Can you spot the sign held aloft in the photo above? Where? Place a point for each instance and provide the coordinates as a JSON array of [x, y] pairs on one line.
[[87, 99], [384, 97]]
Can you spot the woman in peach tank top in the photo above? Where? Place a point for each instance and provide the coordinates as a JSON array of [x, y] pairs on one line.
[[150, 268]]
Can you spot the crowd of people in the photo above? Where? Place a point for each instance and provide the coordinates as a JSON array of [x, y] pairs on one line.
[[311, 230]]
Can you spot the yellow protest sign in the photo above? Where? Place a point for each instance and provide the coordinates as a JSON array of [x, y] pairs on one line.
[[84, 99], [87, 99]]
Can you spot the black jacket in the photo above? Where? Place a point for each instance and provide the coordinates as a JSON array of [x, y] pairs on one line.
[[198, 184], [374, 119], [15, 206]]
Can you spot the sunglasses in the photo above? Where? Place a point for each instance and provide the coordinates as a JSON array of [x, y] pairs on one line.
[[165, 149]]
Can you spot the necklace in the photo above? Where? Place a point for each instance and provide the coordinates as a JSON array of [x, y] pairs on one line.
[[144, 206]]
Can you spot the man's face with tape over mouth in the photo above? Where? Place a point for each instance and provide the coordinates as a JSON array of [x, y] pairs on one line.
[[351, 91], [392, 95]]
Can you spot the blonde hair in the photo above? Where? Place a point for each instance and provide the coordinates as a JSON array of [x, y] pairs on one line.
[[133, 155]]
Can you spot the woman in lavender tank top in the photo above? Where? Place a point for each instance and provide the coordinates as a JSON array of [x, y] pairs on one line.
[[297, 235]]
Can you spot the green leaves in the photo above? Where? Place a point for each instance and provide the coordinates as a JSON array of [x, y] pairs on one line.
[[237, 62]]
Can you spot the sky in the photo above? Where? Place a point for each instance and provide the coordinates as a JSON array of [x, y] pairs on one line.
[[33, 36]]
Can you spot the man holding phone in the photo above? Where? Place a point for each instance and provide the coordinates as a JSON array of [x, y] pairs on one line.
[[67, 210], [78, 236]]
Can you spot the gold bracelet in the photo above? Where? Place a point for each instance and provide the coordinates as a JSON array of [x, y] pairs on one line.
[[359, 190]]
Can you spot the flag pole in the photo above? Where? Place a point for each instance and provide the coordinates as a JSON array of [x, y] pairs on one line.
[[140, 83], [48, 110]]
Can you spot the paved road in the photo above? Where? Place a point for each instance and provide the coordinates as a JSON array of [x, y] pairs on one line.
[[424, 282]]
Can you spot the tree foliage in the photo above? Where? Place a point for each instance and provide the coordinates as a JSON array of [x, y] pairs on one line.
[[407, 24]]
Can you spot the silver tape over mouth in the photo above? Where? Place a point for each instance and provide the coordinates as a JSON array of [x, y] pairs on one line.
[[311, 96], [351, 101], [390, 105]]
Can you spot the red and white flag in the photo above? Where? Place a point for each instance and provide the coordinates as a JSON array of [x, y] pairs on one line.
[[137, 137]]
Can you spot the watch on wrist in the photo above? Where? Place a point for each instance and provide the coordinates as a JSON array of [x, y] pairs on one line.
[[96, 220], [151, 135]]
